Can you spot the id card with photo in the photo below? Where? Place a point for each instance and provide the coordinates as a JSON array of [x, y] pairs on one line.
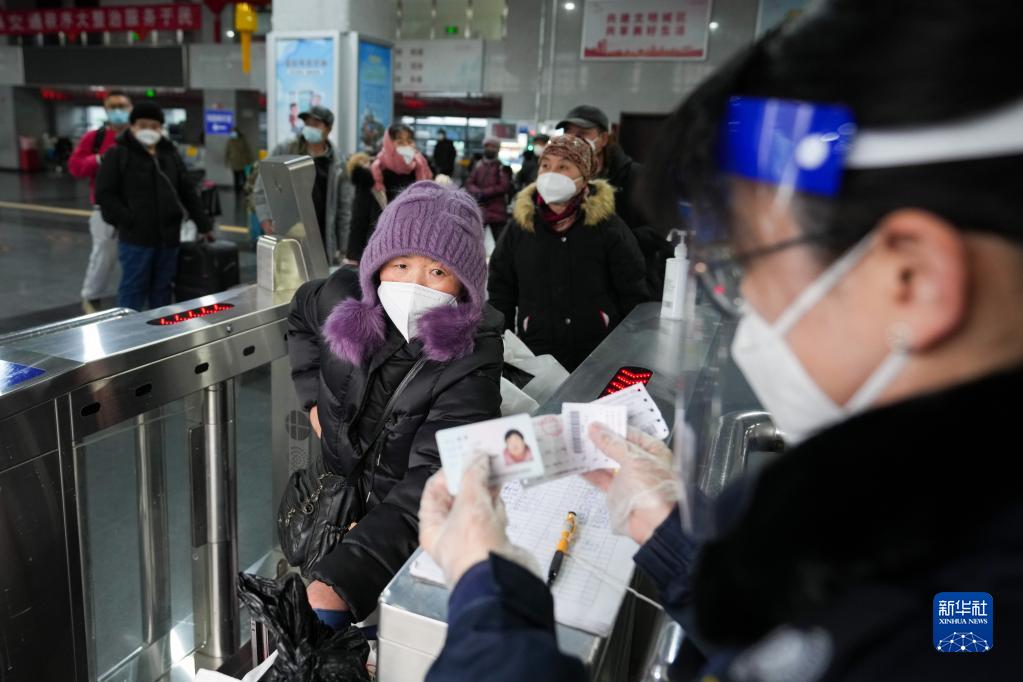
[[510, 443]]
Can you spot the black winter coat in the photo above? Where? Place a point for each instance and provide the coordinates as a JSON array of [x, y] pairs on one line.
[[365, 211], [444, 155], [145, 196], [349, 401], [569, 290], [624, 174], [829, 565]]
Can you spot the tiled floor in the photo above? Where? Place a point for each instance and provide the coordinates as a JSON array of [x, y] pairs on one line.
[[43, 254]]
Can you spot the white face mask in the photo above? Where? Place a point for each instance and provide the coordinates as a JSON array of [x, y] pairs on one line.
[[407, 153], [538, 149], [556, 188], [404, 302], [797, 404], [147, 137]]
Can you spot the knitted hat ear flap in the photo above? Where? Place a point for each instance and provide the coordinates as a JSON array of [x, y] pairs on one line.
[[448, 332], [355, 329]]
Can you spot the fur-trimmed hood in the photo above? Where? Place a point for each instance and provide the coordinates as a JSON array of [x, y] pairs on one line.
[[356, 329], [356, 326], [598, 206]]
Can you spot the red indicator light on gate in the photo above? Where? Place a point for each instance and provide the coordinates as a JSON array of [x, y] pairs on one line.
[[625, 377], [193, 314]]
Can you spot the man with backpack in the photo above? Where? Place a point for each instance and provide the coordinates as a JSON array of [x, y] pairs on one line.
[[84, 163]]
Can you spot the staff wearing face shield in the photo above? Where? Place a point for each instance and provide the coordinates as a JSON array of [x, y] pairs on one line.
[[865, 225]]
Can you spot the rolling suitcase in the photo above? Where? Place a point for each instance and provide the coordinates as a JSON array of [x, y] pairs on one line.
[[205, 268]]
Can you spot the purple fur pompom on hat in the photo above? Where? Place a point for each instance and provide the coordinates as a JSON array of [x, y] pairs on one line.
[[426, 219]]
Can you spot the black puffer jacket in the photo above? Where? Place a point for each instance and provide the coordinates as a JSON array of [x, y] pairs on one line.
[[145, 196], [349, 401], [365, 211], [570, 289]]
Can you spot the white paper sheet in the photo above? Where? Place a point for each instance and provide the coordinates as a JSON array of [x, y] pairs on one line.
[[253, 675], [644, 414], [535, 517]]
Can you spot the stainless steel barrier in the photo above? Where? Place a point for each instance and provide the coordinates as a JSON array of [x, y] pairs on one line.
[[119, 465], [80, 321]]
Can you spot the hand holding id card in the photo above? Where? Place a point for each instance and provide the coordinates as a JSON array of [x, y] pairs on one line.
[[536, 449]]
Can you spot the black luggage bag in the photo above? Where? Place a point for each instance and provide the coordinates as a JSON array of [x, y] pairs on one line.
[[205, 268]]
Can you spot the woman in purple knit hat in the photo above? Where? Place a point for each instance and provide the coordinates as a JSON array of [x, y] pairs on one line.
[[354, 337]]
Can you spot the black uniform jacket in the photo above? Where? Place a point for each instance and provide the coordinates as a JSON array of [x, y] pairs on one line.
[[829, 564]]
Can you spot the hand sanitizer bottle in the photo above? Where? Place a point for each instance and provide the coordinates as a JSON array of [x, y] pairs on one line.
[[676, 274]]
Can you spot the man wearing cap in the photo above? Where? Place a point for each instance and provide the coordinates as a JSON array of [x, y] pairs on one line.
[[531, 162], [618, 168], [489, 184], [144, 191], [330, 189]]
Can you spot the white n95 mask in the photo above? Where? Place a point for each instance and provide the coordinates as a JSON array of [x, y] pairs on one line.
[[405, 302], [556, 188], [407, 153], [147, 137], [796, 403]]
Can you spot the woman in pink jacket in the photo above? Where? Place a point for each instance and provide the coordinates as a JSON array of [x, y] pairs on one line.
[[398, 165]]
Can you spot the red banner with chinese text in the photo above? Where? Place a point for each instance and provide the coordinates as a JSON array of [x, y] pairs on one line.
[[184, 17]]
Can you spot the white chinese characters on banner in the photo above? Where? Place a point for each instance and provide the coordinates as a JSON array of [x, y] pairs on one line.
[[77, 20], [645, 29]]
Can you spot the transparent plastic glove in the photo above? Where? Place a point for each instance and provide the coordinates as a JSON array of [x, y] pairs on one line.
[[641, 494], [459, 532]]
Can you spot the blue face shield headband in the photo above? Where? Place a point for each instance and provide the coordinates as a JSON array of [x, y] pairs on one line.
[[806, 147], [797, 145]]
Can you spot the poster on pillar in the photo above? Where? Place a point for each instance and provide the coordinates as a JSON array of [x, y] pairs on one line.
[[635, 30], [376, 94], [304, 75]]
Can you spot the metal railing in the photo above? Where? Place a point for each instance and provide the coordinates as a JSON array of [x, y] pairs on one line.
[[121, 407]]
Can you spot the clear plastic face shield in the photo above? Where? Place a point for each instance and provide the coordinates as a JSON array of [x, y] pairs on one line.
[[769, 152], [776, 158]]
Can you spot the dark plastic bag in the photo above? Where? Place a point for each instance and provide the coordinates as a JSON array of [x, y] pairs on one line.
[[307, 650]]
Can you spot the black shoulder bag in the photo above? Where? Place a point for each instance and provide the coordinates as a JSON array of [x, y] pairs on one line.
[[318, 507]]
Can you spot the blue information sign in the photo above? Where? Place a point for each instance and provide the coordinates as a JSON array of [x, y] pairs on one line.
[[376, 96], [12, 374], [219, 121]]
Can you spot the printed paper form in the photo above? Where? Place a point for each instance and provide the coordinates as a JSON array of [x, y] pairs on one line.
[[535, 519]]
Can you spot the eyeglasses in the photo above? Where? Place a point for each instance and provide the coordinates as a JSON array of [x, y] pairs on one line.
[[719, 269]]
